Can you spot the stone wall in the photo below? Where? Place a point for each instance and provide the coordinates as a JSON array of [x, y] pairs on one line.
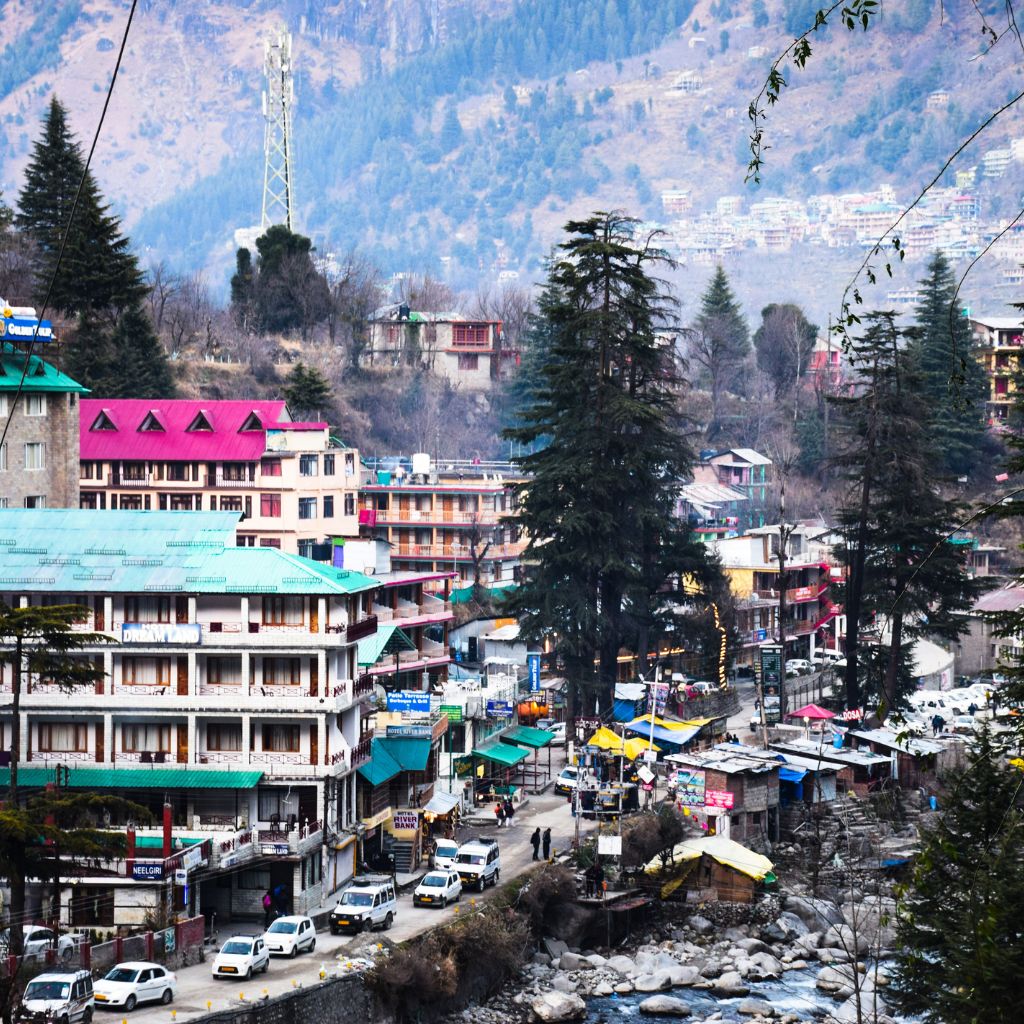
[[335, 1001], [57, 483]]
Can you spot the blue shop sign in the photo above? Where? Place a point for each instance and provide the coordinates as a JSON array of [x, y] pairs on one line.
[[148, 871], [533, 668], [25, 328], [499, 709], [409, 700]]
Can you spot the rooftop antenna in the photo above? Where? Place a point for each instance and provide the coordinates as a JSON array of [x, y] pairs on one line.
[[278, 100]]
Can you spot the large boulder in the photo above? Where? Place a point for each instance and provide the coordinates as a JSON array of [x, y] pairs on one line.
[[558, 1006], [555, 947], [665, 1006], [730, 984], [622, 965], [563, 983], [842, 936], [683, 974], [751, 946], [701, 925], [570, 961], [815, 913], [755, 1008], [659, 981]]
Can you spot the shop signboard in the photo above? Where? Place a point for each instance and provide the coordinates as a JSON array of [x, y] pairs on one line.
[[24, 325], [161, 633], [405, 821], [499, 709], [533, 671], [690, 787], [719, 798], [409, 732], [453, 711], [148, 871], [409, 700], [772, 680]]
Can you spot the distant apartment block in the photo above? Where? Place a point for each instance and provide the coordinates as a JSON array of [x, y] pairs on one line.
[[444, 517], [39, 457], [294, 485], [994, 162], [997, 345], [743, 470], [676, 201], [469, 353]]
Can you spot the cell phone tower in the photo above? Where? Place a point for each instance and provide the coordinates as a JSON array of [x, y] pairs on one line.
[[278, 100]]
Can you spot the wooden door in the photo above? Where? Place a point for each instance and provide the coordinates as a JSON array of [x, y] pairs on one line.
[[97, 663], [314, 745], [99, 743], [314, 614], [181, 608], [182, 675], [98, 604], [182, 743], [314, 676]]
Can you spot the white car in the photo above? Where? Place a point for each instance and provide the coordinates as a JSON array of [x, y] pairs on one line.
[[557, 730], [568, 779], [798, 667], [438, 889], [36, 940], [289, 936], [134, 982], [241, 957], [445, 852]]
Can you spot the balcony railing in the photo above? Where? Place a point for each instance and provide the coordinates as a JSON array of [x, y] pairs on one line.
[[362, 628], [360, 753], [363, 685], [219, 757], [278, 757], [62, 756]]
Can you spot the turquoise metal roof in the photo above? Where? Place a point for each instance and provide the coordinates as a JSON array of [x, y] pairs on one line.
[[410, 752], [41, 376], [388, 639], [381, 766], [99, 777], [72, 551]]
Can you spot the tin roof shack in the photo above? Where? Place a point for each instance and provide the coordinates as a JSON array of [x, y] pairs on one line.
[[713, 868], [917, 762], [741, 793], [801, 779], [860, 771]]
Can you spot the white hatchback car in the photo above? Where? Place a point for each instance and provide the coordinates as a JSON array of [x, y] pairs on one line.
[[438, 889], [241, 957], [289, 936], [134, 982]]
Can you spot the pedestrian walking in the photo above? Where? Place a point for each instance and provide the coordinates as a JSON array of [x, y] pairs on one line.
[[938, 722], [535, 843], [499, 813], [268, 903], [510, 813], [599, 883], [546, 843]]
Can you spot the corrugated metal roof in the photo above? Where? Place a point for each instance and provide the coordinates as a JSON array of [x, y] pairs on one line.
[[388, 639], [83, 551], [226, 441], [527, 737], [381, 766], [138, 778], [41, 376], [411, 753], [501, 753], [1009, 599]]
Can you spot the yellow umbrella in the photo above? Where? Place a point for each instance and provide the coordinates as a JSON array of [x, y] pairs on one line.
[[635, 746]]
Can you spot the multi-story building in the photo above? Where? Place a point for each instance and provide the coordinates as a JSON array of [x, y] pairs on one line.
[[294, 485], [743, 470], [471, 353], [997, 345], [712, 510], [751, 565], [445, 517], [39, 456], [230, 694]]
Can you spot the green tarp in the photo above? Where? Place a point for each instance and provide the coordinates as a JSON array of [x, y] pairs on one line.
[[501, 753], [524, 736]]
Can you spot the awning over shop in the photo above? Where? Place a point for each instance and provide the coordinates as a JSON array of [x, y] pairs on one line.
[[787, 774], [381, 766], [388, 639], [137, 778], [524, 736], [412, 754], [501, 753], [676, 733], [441, 803]]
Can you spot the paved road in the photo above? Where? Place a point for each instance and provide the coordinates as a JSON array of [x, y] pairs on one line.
[[198, 992]]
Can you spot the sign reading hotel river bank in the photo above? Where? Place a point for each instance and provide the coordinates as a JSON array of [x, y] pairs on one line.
[[161, 633]]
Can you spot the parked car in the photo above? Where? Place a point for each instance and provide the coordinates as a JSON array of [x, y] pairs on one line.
[[701, 688], [828, 656], [568, 779], [445, 852], [369, 902], [241, 957], [289, 936], [438, 889], [479, 863], [557, 729], [36, 940], [134, 982], [798, 667], [57, 997]]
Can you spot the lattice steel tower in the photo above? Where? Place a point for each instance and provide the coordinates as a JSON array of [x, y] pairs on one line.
[[278, 100]]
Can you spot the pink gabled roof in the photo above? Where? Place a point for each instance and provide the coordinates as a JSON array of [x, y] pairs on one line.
[[225, 442]]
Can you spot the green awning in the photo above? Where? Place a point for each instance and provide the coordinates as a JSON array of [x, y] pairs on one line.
[[411, 753], [387, 640], [527, 737], [381, 766], [501, 753], [137, 778]]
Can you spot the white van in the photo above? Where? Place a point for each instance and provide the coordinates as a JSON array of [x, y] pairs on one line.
[[479, 863], [58, 997], [369, 902], [445, 852]]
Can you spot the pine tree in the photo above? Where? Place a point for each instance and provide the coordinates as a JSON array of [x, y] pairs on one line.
[[98, 274], [952, 380], [144, 371], [90, 359], [902, 572], [605, 451], [307, 391], [959, 956], [720, 344]]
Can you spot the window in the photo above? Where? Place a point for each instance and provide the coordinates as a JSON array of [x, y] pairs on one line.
[[5, 502], [312, 870], [223, 671], [224, 737], [137, 739], [59, 737], [233, 472], [3, 405], [35, 405], [468, 362], [307, 508], [3, 458], [184, 502], [89, 471], [35, 501], [281, 739], [147, 609], [282, 611], [151, 422], [306, 548], [282, 671], [245, 540], [35, 455], [179, 471], [229, 504], [254, 878], [270, 542], [201, 422], [328, 465], [307, 465], [145, 671], [270, 506], [350, 504], [350, 464], [328, 506], [103, 422], [270, 467]]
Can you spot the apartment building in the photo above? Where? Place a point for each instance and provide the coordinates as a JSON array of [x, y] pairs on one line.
[[446, 517], [295, 486], [39, 456], [231, 696], [997, 345], [473, 354], [743, 470], [751, 565]]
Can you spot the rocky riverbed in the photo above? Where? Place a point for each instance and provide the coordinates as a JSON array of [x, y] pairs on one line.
[[810, 962]]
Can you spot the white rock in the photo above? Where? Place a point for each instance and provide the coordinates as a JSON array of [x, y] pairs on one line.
[[667, 1006], [622, 965], [561, 983], [602, 988], [569, 961], [659, 981], [755, 1008], [558, 1006], [596, 960], [624, 987], [730, 984]]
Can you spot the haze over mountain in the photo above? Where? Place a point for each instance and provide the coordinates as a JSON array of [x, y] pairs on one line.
[[457, 136]]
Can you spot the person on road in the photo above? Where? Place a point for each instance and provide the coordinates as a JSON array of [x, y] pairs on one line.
[[499, 813], [938, 723], [535, 843], [268, 903], [510, 813], [546, 843]]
